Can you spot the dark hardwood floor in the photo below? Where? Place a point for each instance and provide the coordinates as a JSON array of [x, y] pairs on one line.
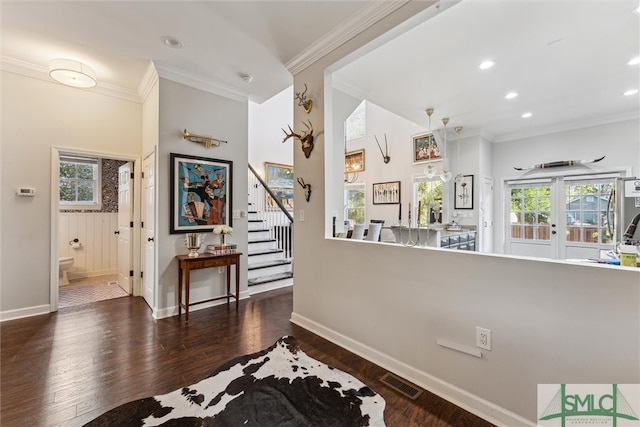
[[66, 368]]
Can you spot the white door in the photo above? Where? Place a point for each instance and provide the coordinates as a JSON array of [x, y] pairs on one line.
[[148, 229], [486, 215], [531, 226], [125, 215]]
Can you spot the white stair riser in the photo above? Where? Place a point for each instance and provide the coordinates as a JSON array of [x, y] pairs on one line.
[[252, 274], [260, 235], [262, 245], [255, 226], [254, 259]]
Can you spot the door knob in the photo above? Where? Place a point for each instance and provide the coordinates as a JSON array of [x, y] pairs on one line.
[[149, 239], [553, 225], [554, 232], [116, 232]]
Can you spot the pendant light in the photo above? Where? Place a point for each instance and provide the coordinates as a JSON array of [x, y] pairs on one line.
[[354, 175], [458, 177], [429, 171], [446, 175]]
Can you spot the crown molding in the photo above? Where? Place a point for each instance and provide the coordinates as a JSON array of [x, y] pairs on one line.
[[566, 127], [148, 82], [39, 72], [180, 76], [343, 33]]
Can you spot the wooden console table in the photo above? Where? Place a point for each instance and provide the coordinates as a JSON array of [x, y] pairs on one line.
[[186, 264]]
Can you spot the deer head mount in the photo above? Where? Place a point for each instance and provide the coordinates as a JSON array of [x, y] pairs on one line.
[[385, 154], [303, 102], [306, 138], [307, 188]]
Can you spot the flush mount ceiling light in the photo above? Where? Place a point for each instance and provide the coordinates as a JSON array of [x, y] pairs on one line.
[[634, 61], [72, 73], [527, 115], [630, 92], [511, 95], [485, 65], [172, 42]]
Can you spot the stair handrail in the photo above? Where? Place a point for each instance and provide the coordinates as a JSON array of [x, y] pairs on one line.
[[273, 196]]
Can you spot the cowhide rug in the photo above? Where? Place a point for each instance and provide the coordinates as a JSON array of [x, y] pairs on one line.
[[280, 386]]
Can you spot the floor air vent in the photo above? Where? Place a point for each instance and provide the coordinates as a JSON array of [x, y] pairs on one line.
[[401, 386]]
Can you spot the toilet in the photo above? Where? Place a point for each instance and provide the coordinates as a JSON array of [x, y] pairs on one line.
[[64, 265]]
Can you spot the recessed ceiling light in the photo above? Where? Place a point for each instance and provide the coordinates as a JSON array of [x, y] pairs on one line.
[[527, 115], [485, 65], [630, 92], [634, 61], [172, 42], [511, 95]]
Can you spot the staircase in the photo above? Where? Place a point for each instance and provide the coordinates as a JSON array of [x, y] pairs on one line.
[[270, 226], [268, 263]]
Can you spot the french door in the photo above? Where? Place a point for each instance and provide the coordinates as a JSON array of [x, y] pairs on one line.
[[560, 217]]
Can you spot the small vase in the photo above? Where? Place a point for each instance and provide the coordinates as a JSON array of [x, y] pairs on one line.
[[223, 239], [193, 241]]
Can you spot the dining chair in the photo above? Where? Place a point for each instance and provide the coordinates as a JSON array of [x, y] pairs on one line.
[[358, 232]]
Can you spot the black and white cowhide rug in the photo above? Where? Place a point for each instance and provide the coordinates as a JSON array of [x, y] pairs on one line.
[[280, 386]]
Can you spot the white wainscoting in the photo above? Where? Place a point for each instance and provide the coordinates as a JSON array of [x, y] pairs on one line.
[[98, 253]]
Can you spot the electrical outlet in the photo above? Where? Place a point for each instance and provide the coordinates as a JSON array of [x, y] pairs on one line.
[[301, 215], [221, 270], [483, 338]]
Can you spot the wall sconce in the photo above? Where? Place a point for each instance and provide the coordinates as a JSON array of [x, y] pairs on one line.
[[72, 73]]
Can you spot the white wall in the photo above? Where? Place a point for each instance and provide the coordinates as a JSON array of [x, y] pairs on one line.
[[37, 115], [202, 113], [391, 303], [266, 122], [98, 253]]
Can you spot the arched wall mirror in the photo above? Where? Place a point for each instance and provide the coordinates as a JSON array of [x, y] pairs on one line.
[[561, 86]]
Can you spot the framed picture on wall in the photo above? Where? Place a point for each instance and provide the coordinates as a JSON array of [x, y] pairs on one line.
[[463, 193], [201, 193], [425, 148], [386, 193], [279, 178]]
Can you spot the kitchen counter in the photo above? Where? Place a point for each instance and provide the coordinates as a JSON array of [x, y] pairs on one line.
[[437, 237]]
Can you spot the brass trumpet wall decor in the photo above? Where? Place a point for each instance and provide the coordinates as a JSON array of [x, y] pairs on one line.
[[207, 141]]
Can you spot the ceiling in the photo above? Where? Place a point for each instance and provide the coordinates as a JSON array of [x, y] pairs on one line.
[[566, 59], [221, 39]]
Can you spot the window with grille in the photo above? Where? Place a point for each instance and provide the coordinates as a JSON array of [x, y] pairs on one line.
[[530, 211], [355, 203], [589, 211], [79, 182], [355, 125], [427, 194]]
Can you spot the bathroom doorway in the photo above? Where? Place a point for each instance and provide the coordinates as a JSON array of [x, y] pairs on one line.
[[88, 228]]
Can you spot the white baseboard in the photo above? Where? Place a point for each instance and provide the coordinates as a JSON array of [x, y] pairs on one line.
[[25, 312], [86, 274], [173, 310], [462, 398]]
